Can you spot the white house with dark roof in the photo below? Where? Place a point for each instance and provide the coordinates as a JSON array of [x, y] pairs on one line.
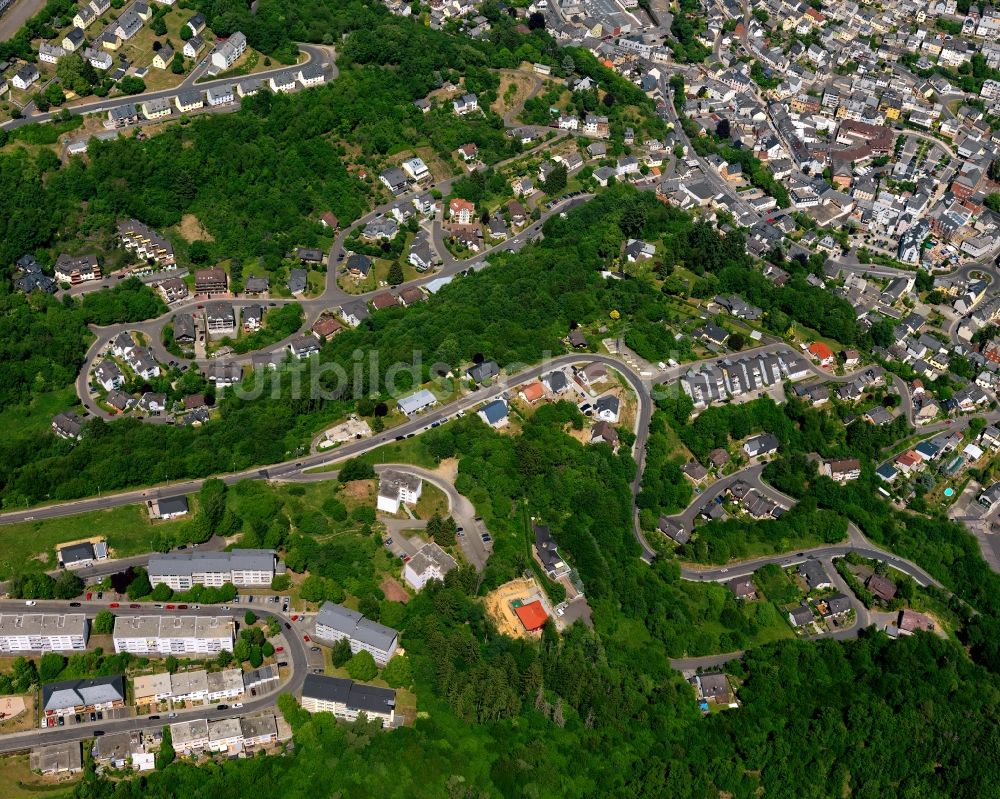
[[25, 76], [220, 95], [193, 46], [311, 74], [282, 82], [189, 101]]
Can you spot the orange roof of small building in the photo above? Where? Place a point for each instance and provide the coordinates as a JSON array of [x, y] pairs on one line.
[[458, 204], [532, 616], [909, 458], [533, 392], [820, 350]]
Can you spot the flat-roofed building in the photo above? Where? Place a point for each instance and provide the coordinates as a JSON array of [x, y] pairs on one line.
[[66, 758], [189, 686], [259, 730], [226, 684], [395, 488], [430, 562], [44, 632], [241, 567], [115, 749], [225, 735], [150, 688], [334, 622], [347, 699], [188, 737], [173, 635]]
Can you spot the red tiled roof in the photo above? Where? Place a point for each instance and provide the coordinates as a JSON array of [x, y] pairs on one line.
[[532, 615], [820, 350], [533, 391]]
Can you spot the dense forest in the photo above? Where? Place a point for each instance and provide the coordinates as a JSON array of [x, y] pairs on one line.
[[43, 340]]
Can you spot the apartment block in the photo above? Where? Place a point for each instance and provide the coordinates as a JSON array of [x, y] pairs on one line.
[[146, 243], [241, 567], [43, 632], [347, 699], [173, 635], [334, 622]]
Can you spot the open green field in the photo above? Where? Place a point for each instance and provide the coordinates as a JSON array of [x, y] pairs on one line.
[[31, 545], [17, 781], [21, 421]]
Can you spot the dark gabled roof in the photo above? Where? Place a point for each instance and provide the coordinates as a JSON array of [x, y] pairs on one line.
[[483, 371], [75, 553], [813, 573]]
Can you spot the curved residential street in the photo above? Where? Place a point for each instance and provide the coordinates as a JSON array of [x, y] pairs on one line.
[[295, 653]]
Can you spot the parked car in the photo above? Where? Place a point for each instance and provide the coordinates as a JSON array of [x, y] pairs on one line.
[[74, 604], [135, 606], [305, 637], [114, 605]]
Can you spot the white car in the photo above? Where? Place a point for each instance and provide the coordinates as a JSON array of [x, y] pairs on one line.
[[29, 602], [238, 705]]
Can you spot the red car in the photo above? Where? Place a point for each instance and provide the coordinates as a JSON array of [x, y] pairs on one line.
[[89, 594], [295, 618], [305, 637], [114, 605], [170, 607], [182, 607], [279, 649], [135, 605]]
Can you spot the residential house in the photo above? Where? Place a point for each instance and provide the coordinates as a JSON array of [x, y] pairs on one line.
[[759, 446], [190, 100], [163, 57], [814, 575], [193, 47], [220, 95], [67, 425], [494, 413]]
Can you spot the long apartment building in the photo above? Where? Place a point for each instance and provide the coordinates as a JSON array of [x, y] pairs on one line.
[[734, 378], [146, 242], [173, 635], [224, 735], [347, 699], [43, 632], [241, 567], [189, 686], [334, 622]]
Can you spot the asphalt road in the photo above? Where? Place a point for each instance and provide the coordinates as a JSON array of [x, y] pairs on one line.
[[102, 106], [13, 19], [295, 653], [459, 506]]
